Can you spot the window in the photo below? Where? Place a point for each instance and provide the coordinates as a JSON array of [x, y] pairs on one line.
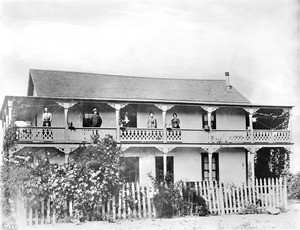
[[213, 120], [159, 169], [87, 119], [130, 169], [131, 110], [205, 167]]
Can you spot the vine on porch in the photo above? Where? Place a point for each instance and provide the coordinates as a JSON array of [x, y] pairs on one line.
[[91, 175]]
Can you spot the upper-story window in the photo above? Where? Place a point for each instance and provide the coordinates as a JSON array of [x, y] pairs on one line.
[[128, 116], [213, 120]]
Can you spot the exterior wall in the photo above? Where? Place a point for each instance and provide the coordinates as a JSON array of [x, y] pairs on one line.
[[188, 166], [232, 165], [108, 116], [190, 116], [230, 119], [143, 114]]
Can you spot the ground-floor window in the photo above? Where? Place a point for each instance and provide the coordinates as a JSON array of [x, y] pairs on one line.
[[205, 166], [159, 169], [130, 169]]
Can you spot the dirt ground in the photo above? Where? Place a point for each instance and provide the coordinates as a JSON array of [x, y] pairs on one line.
[[283, 221]]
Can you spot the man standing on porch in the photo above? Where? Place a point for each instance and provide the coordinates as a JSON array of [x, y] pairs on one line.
[[96, 120], [47, 118]]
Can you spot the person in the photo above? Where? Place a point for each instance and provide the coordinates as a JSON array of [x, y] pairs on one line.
[[96, 120], [152, 123], [47, 118], [125, 121], [175, 122]]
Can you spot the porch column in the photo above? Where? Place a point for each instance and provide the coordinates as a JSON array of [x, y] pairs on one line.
[[165, 164], [210, 165], [66, 150], [209, 110], [165, 150], [6, 118], [66, 106], [9, 105], [251, 112], [117, 107], [164, 109], [250, 164]]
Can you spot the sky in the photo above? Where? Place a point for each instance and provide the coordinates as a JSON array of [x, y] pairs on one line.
[[257, 41]]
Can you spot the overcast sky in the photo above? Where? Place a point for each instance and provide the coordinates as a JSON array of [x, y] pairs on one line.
[[255, 40]]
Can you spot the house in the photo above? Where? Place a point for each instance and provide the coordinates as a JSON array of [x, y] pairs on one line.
[[217, 139]]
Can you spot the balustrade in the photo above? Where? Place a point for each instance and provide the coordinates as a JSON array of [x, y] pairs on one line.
[[79, 135], [141, 135], [40, 134]]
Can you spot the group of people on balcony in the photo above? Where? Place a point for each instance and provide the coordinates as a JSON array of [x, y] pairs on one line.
[[96, 121], [152, 123]]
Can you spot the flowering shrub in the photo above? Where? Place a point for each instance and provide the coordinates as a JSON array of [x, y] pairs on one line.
[[88, 180]]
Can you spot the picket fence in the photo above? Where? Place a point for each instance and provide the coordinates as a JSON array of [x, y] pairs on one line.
[[135, 201]]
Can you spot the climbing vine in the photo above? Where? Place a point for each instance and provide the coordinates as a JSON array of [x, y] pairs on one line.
[[91, 175]]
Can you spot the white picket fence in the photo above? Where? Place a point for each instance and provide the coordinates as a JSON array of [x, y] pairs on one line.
[[135, 201]]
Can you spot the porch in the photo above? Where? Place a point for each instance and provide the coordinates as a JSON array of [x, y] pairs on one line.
[[143, 135]]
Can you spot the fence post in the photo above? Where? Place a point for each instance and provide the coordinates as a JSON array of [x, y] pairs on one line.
[[285, 194], [221, 198], [139, 199], [134, 199]]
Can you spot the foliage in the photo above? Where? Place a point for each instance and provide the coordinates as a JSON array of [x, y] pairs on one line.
[[90, 178], [175, 199], [272, 162], [252, 209], [293, 186]]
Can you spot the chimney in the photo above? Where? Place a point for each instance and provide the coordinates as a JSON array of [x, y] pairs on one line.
[[228, 85]]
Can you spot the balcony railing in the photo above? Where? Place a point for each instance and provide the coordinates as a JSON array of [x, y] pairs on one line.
[[138, 135]]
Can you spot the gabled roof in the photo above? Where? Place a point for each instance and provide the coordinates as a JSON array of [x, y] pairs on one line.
[[48, 83]]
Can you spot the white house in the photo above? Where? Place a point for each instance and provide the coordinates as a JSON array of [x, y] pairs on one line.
[[223, 152]]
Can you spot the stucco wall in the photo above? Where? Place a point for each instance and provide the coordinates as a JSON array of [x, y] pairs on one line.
[[187, 163], [190, 117], [230, 119], [232, 164]]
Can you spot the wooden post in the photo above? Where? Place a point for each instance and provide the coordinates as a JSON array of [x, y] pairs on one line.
[[165, 164], [66, 107], [210, 165], [43, 211], [139, 199], [118, 107], [164, 111], [9, 104]]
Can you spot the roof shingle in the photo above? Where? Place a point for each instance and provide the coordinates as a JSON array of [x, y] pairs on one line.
[[50, 83]]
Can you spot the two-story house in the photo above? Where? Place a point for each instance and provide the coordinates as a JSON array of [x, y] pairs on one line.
[[215, 141]]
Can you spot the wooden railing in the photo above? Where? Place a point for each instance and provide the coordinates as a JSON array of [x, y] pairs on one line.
[[142, 135], [40, 134], [87, 134], [135, 201]]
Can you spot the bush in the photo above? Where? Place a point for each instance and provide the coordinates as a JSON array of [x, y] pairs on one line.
[[252, 209], [175, 199], [89, 180], [293, 186]]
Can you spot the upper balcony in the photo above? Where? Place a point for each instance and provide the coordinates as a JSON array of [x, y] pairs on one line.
[[139, 135], [229, 124]]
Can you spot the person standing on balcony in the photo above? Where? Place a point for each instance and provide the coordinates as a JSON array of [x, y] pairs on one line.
[[96, 120], [152, 123], [125, 121], [47, 118], [175, 122]]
